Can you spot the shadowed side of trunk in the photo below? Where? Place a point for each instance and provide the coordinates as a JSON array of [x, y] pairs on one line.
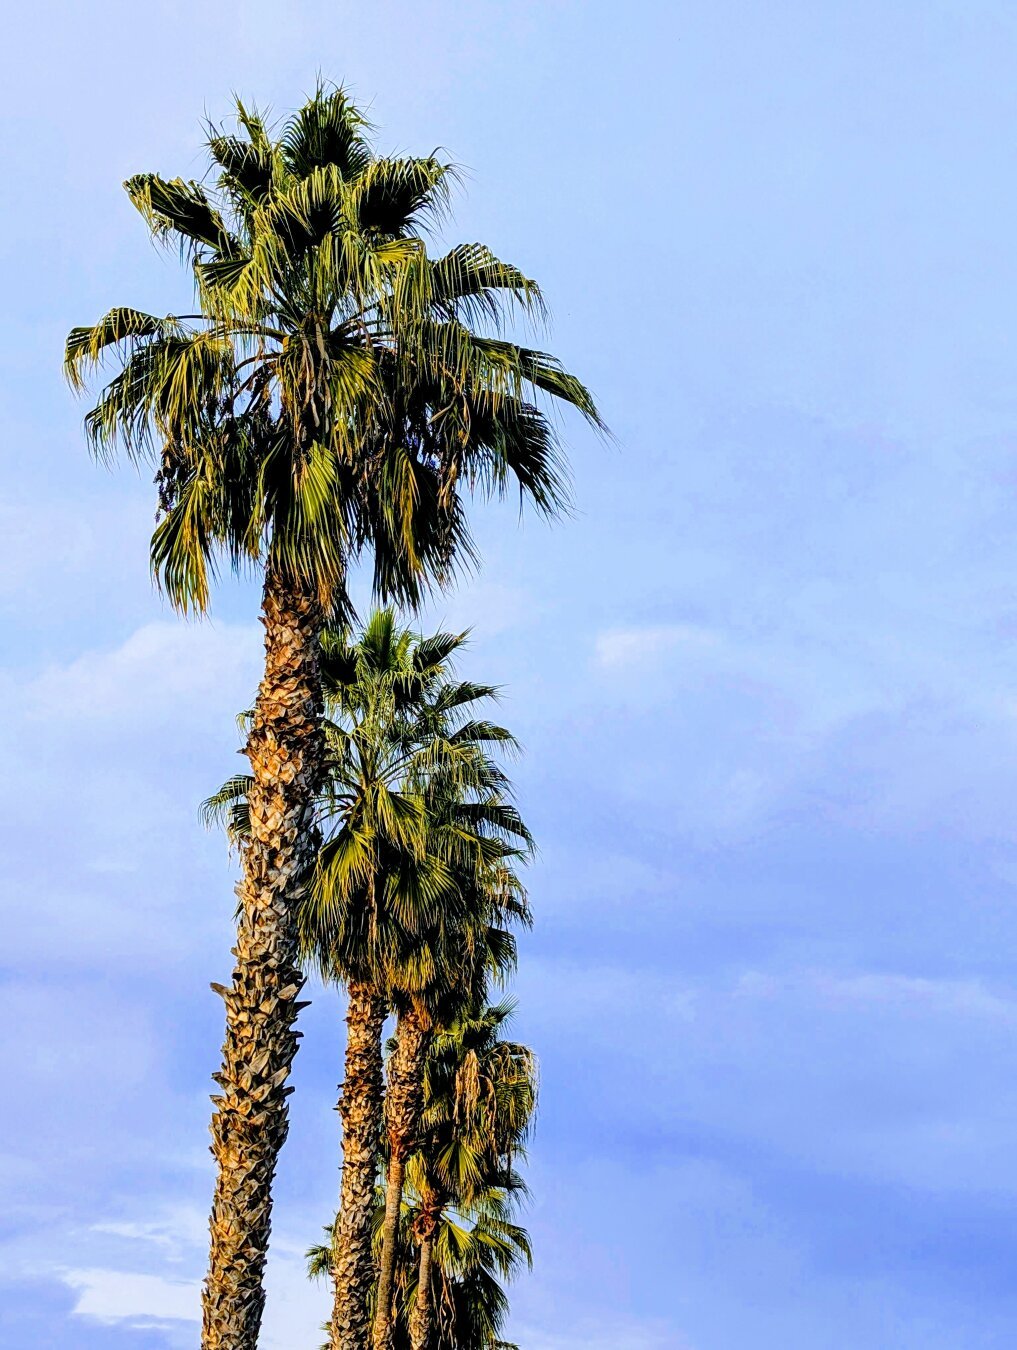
[[402, 1118], [250, 1121], [360, 1108]]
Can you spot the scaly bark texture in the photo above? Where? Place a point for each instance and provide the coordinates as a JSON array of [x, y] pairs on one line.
[[250, 1121], [402, 1119], [422, 1314], [360, 1109]]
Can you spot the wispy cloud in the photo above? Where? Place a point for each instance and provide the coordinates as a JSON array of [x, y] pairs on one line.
[[112, 1296], [179, 1231], [163, 670], [638, 646], [126, 1297]]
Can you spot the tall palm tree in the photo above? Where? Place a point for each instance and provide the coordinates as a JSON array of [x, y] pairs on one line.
[[479, 1092], [405, 739], [447, 968], [331, 395]]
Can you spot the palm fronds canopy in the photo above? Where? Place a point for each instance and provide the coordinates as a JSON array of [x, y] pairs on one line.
[[337, 387]]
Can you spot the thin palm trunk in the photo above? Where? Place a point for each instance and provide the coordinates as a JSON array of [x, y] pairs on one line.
[[360, 1108], [421, 1317], [250, 1120], [402, 1118], [394, 1178]]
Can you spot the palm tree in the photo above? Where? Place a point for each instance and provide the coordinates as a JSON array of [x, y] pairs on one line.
[[473, 1252], [413, 888], [457, 959], [479, 1092], [414, 814], [403, 738], [472, 1255], [331, 395], [372, 686]]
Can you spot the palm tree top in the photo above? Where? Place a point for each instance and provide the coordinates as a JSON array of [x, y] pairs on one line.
[[338, 387], [416, 877], [480, 1099]]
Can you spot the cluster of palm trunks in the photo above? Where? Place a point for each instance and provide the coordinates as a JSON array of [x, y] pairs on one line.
[[408, 904], [331, 402]]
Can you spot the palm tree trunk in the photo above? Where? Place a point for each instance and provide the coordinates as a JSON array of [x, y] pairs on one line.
[[382, 1338], [402, 1117], [360, 1108], [421, 1318], [249, 1123]]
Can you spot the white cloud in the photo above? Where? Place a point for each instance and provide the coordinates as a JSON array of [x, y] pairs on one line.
[[164, 669], [964, 998], [117, 1292], [135, 736], [752, 722], [890, 1076], [123, 1296], [178, 1231], [620, 647], [294, 1308]]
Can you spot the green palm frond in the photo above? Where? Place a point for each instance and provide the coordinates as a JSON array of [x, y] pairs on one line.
[[469, 285], [228, 808], [480, 1096], [392, 197], [247, 170], [328, 130], [475, 1250], [121, 329], [175, 208]]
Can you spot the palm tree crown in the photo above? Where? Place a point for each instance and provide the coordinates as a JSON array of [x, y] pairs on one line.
[[475, 1252], [415, 876], [419, 834], [334, 390], [480, 1093]]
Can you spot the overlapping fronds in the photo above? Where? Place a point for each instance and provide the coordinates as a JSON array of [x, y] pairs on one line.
[[352, 367], [475, 1250], [480, 1094], [415, 885], [420, 832], [328, 129], [182, 212]]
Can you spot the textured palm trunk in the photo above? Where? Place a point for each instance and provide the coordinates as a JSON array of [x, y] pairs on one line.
[[250, 1120], [422, 1316], [360, 1108], [402, 1118]]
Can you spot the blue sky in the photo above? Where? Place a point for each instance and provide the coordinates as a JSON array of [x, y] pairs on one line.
[[766, 678]]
